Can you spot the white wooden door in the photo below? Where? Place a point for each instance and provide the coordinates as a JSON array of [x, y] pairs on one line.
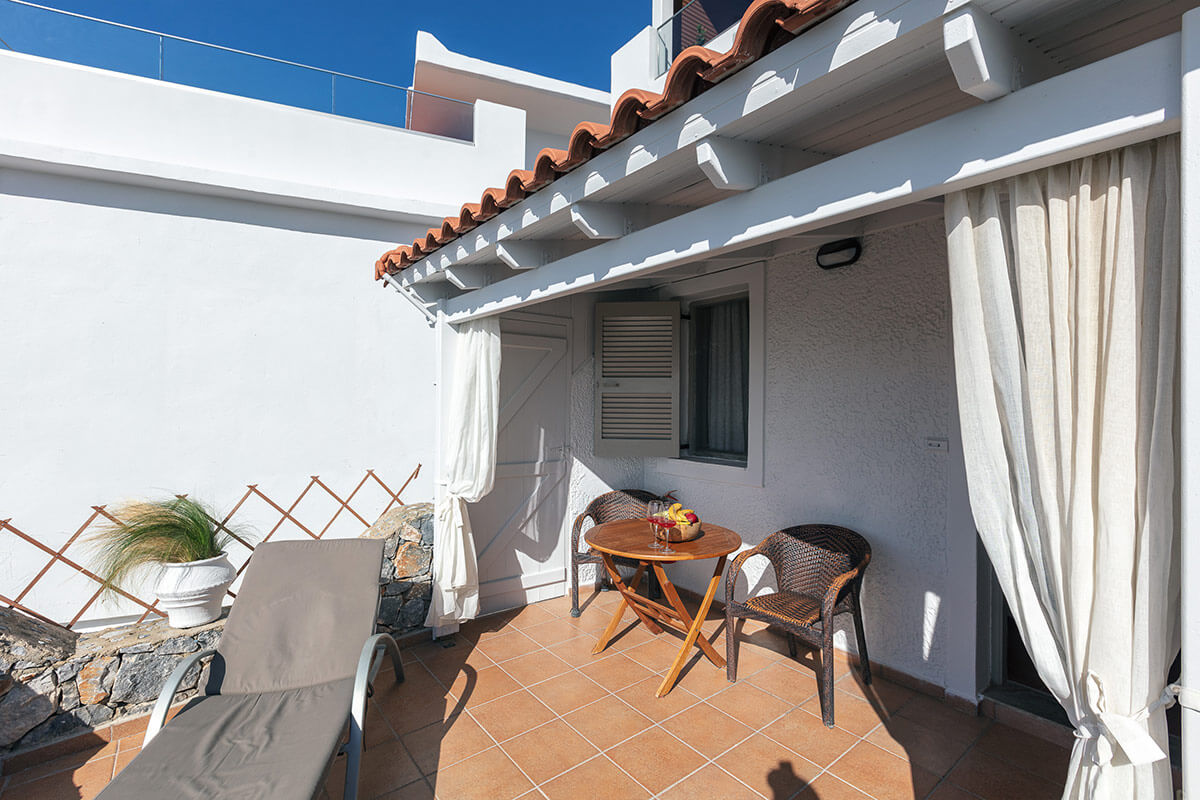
[[519, 527]]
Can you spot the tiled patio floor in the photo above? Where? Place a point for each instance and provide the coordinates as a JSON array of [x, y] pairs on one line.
[[519, 708]]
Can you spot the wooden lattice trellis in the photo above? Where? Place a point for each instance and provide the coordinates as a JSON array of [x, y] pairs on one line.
[[99, 514]]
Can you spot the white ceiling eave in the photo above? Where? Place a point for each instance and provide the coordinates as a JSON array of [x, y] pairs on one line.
[[853, 45], [1126, 98]]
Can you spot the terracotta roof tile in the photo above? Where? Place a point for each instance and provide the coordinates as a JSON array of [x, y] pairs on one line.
[[765, 25]]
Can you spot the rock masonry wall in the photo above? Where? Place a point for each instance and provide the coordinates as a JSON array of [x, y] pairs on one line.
[[55, 683]]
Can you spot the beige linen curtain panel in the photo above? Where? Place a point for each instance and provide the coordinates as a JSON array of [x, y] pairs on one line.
[[1064, 289], [468, 470]]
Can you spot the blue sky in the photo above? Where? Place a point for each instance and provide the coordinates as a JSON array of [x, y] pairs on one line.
[[372, 38]]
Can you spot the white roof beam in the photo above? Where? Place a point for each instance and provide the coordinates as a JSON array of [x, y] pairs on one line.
[[732, 165], [468, 276], [988, 59], [602, 220], [522, 254], [1129, 97], [428, 310]]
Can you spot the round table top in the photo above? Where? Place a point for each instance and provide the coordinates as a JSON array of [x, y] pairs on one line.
[[630, 538]]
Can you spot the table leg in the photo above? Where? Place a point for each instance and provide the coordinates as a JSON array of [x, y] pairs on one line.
[[673, 598], [694, 630], [625, 590]]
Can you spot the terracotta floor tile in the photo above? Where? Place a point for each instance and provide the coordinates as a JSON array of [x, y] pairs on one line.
[[548, 751], [490, 775], [849, 713], [484, 628], [768, 767], [385, 768], [410, 713], [701, 677], [531, 615], [442, 744], [133, 742], [710, 783], [446, 664], [567, 692], [82, 783], [561, 606], [418, 790], [935, 750], [512, 714], [535, 667], [882, 775], [655, 655], [596, 778], [655, 758], [477, 688], [641, 696], [89, 742], [882, 694], [1031, 753], [615, 672], [577, 652], [634, 636], [827, 787], [750, 705], [557, 630], [707, 729], [993, 779], [608, 721], [377, 730], [508, 646], [124, 757], [807, 735], [64, 763], [948, 791], [924, 710], [750, 661], [128, 727], [789, 685]]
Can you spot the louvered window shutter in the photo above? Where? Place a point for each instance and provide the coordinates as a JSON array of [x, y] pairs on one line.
[[637, 379]]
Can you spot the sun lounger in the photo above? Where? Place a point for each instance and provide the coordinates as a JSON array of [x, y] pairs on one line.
[[293, 667]]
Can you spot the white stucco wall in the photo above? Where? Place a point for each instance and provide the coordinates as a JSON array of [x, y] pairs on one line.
[[859, 374], [189, 304]]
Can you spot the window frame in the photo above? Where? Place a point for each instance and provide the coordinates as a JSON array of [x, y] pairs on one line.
[[749, 280]]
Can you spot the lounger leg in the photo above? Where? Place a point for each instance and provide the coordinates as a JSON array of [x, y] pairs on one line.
[[364, 676]]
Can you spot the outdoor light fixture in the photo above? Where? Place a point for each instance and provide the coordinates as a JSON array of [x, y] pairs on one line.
[[841, 253]]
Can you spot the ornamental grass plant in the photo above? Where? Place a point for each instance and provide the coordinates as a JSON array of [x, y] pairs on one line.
[[150, 534]]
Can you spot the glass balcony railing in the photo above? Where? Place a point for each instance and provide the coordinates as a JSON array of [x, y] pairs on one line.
[[66, 36], [698, 22]]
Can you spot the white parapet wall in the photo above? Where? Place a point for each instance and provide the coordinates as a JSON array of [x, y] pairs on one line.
[[189, 305]]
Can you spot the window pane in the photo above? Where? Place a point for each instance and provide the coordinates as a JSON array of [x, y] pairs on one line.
[[720, 390]]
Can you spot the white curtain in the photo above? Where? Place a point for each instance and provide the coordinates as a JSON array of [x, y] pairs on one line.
[[469, 470], [1064, 288]]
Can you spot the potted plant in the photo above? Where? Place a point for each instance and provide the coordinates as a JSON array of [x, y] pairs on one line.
[[180, 540]]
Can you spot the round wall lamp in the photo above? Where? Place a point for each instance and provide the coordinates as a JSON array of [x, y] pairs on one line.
[[841, 253]]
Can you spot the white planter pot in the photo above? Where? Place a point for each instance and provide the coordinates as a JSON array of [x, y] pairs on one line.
[[191, 593]]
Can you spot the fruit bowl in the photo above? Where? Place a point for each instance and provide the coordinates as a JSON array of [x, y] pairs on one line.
[[680, 532]]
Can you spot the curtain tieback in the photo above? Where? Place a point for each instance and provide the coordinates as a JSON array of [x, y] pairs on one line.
[[1104, 731]]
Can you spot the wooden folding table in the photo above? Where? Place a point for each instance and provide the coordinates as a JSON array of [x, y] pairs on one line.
[[631, 539]]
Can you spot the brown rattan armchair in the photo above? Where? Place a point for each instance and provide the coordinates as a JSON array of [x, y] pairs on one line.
[[819, 571], [608, 507]]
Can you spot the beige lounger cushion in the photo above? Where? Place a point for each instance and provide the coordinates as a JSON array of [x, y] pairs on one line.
[[278, 698], [272, 746]]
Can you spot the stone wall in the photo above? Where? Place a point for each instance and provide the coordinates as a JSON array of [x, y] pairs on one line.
[[55, 683]]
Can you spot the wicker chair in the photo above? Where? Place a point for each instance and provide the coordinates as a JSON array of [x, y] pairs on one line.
[[610, 506], [819, 570]]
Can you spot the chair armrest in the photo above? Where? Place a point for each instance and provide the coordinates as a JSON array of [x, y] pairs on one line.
[[834, 592], [735, 569], [158, 716], [364, 676]]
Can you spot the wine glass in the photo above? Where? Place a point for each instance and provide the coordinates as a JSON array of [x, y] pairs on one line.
[[655, 511], [667, 523]]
